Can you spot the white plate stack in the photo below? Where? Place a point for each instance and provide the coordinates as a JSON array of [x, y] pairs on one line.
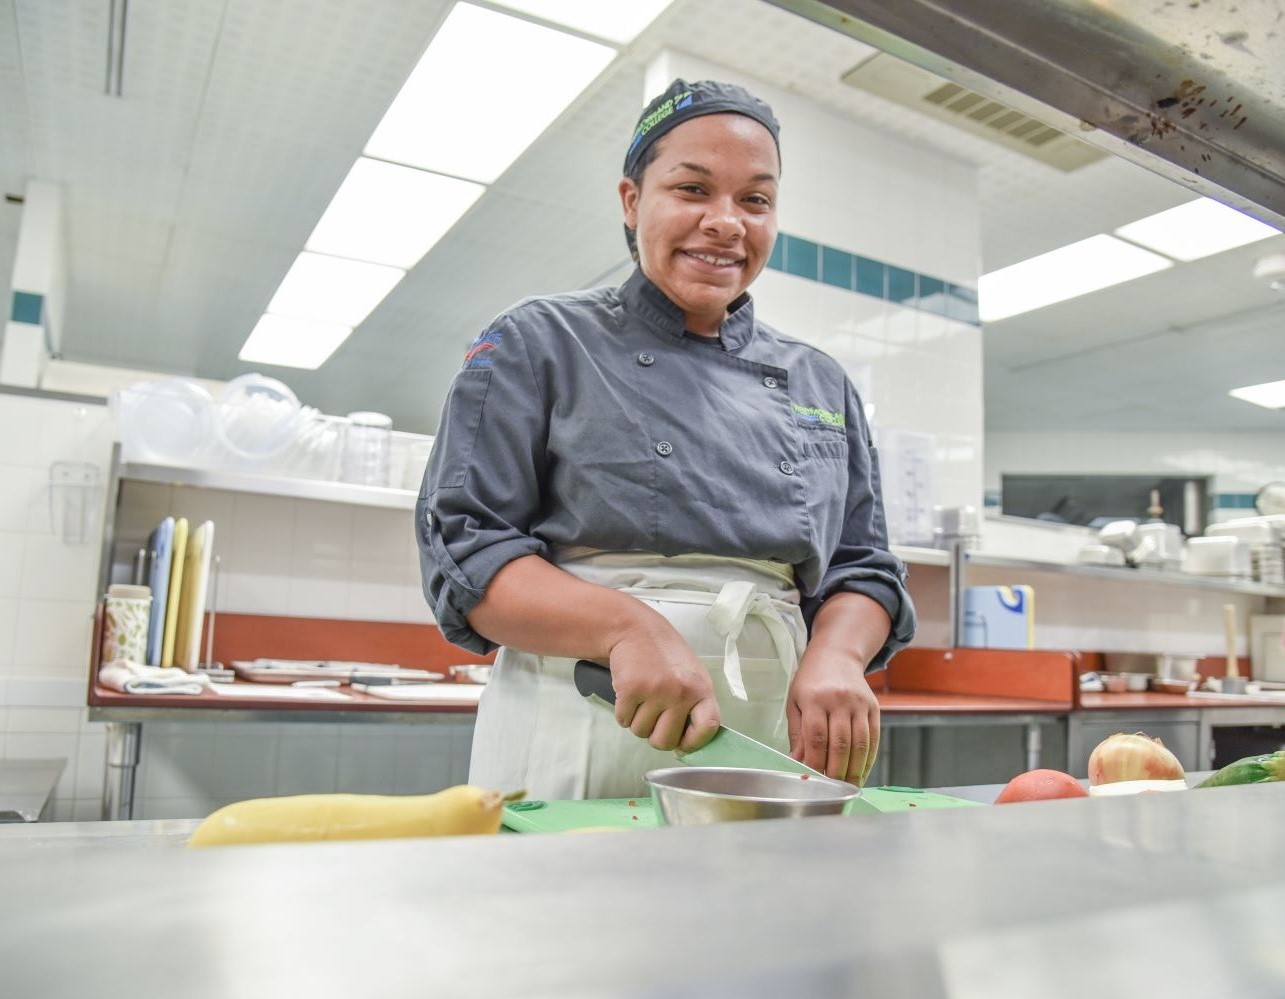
[[1262, 541], [1268, 563]]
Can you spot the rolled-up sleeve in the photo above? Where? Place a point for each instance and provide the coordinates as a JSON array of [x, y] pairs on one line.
[[861, 562], [482, 487]]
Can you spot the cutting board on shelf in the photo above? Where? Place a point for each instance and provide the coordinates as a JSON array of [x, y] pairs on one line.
[[161, 545], [178, 553], [191, 606], [639, 813]]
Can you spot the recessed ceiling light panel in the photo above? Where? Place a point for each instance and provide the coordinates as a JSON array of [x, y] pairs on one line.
[[487, 85], [1269, 395], [1197, 229], [391, 214], [290, 342], [616, 22], [1067, 272], [332, 289]]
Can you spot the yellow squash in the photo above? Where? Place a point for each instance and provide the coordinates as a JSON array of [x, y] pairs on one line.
[[458, 811]]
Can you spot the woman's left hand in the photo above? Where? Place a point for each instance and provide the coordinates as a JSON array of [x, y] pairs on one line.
[[833, 716]]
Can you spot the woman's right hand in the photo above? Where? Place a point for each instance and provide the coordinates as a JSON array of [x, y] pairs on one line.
[[663, 691]]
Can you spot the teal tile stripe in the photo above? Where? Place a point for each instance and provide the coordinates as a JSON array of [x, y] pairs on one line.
[[27, 307], [1233, 501], [841, 269]]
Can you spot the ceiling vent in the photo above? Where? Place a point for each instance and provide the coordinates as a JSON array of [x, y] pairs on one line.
[[912, 87]]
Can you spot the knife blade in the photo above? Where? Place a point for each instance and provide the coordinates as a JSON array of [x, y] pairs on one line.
[[728, 747]]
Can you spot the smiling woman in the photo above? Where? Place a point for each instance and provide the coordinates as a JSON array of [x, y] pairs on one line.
[[651, 477], [706, 220]]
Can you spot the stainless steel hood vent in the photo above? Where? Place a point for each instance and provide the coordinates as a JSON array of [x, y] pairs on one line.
[[922, 91]]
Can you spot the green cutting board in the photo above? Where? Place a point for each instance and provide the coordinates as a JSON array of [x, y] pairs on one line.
[[636, 813]]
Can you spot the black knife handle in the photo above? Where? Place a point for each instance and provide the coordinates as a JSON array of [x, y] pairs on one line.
[[594, 679]]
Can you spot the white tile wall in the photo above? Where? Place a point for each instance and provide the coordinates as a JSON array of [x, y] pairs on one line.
[[47, 594], [277, 556], [291, 557]]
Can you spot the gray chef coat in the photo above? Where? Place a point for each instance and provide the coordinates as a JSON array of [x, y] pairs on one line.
[[591, 419]]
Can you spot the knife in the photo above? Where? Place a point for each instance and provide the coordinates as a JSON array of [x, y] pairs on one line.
[[728, 748]]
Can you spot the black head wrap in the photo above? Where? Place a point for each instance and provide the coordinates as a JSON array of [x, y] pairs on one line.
[[683, 101]]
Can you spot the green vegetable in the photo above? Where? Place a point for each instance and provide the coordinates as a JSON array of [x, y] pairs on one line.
[[1250, 770]]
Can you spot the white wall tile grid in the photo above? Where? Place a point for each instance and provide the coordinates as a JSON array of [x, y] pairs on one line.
[[288, 557]]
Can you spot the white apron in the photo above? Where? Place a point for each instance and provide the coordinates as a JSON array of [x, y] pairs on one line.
[[741, 617]]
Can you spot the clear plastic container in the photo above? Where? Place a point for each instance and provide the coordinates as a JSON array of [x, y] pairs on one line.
[[367, 452], [257, 418], [168, 421]]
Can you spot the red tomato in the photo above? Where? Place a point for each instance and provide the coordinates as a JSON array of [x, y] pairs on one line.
[[1041, 785]]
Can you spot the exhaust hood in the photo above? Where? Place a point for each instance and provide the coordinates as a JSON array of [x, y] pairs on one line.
[[1192, 91]]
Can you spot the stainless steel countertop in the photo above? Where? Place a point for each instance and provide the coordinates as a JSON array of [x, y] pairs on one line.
[[25, 787], [1175, 894]]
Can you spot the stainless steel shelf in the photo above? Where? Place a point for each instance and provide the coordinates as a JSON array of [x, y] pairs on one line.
[[271, 485], [1126, 575], [912, 555]]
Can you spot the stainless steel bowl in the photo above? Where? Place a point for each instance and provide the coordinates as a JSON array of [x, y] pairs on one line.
[[472, 673], [687, 796]]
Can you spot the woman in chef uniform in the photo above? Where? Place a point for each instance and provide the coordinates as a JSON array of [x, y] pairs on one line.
[[651, 477]]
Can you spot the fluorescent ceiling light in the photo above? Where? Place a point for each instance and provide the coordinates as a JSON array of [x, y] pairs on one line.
[[333, 289], [391, 214], [293, 343], [487, 85], [616, 22], [1270, 395], [1197, 229], [1067, 272]]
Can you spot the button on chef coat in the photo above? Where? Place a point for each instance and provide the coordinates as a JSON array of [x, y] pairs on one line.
[[556, 432]]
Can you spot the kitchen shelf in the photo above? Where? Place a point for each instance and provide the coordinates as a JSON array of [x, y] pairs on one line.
[[270, 485], [1126, 575], [913, 555]]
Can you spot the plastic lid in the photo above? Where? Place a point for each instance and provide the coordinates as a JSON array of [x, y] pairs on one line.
[[258, 416], [166, 420]]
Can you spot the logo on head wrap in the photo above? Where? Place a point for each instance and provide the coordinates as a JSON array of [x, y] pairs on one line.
[[480, 350], [675, 103]]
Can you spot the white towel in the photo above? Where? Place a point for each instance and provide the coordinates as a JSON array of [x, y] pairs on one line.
[[134, 678]]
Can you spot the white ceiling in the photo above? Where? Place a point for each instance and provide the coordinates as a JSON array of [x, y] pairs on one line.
[[189, 197]]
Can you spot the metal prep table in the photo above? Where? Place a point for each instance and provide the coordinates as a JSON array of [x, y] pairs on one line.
[[125, 715], [26, 787], [1174, 894]]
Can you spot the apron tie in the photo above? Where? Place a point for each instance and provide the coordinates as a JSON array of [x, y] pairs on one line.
[[737, 600]]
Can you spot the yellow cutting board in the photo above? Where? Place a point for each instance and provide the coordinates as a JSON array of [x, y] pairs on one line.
[[191, 607], [178, 555]]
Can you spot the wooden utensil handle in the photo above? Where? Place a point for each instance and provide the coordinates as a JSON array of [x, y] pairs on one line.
[[1229, 626]]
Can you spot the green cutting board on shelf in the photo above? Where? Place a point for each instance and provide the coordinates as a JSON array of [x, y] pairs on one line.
[[638, 813]]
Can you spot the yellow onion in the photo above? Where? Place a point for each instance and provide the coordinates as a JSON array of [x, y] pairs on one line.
[[1132, 757]]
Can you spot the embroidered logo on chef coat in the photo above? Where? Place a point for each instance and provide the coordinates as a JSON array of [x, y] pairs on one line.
[[479, 351], [815, 416]]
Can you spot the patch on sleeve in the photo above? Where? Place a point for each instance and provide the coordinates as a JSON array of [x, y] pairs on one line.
[[816, 416], [480, 350]]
